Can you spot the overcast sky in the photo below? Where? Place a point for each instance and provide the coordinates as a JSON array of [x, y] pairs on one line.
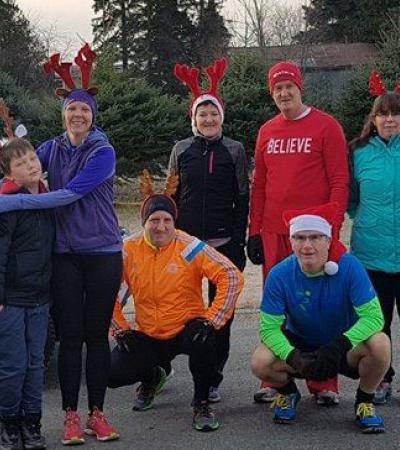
[[72, 18]]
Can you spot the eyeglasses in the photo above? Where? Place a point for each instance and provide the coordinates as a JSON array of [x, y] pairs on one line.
[[387, 114], [313, 238]]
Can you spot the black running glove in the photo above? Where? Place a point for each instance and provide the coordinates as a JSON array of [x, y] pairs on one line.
[[329, 359], [255, 250], [125, 340], [300, 361], [200, 333]]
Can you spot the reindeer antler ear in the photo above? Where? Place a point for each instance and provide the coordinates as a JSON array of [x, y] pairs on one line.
[[146, 183], [376, 85], [93, 91], [62, 92], [172, 183]]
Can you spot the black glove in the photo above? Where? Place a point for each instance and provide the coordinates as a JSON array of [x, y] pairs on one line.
[[329, 359], [255, 250], [125, 340], [237, 255], [201, 333], [300, 361]]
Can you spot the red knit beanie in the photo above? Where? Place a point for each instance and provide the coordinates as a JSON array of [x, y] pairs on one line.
[[284, 71]]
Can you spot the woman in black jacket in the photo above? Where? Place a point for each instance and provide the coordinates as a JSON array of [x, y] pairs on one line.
[[213, 192]]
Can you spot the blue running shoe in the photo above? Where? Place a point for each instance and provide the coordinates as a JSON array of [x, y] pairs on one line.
[[285, 407], [368, 420]]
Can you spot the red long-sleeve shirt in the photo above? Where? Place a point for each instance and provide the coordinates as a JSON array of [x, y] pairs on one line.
[[298, 164]]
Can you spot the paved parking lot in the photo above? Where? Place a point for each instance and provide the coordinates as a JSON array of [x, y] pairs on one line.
[[244, 425]]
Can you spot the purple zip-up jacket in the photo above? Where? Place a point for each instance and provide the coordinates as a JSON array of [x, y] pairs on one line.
[[90, 223]]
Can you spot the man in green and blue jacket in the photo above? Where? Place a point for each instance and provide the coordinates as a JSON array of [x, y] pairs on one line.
[[320, 317]]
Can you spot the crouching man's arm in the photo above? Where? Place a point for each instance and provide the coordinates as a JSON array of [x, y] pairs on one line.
[[229, 283], [370, 321]]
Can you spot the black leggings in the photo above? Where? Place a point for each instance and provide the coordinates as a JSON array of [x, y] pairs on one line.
[[387, 286], [85, 288], [235, 253], [146, 353]]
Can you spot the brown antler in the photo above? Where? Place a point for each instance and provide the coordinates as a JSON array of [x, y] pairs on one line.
[[172, 182], [7, 119], [215, 73], [146, 183], [189, 77], [376, 85], [85, 59]]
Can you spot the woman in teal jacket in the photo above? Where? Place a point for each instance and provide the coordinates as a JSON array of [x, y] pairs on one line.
[[375, 207]]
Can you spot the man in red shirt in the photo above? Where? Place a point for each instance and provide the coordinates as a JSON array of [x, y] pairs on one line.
[[300, 162]]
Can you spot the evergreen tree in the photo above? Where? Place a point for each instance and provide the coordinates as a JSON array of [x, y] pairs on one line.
[[41, 115], [153, 35], [117, 26], [212, 36], [356, 102], [142, 123], [346, 20], [21, 51], [168, 37], [247, 101]]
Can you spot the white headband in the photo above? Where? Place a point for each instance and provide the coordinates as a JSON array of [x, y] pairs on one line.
[[310, 222], [206, 98]]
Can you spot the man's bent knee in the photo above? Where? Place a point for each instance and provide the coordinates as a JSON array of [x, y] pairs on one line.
[[261, 362], [377, 347], [378, 342]]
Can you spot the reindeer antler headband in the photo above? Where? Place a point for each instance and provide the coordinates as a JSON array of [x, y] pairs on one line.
[[377, 86], [84, 60], [158, 202], [147, 185], [86, 94], [190, 78]]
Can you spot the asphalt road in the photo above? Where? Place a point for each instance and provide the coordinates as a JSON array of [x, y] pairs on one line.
[[244, 425]]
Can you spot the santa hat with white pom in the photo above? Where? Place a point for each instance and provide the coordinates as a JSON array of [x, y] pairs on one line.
[[319, 218]]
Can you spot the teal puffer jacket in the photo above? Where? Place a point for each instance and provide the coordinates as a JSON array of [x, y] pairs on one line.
[[375, 238]]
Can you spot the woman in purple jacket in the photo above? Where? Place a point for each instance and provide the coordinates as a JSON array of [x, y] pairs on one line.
[[87, 261]]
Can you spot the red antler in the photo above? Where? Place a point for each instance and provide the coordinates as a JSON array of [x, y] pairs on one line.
[[63, 69], [85, 59], [376, 85], [215, 74], [189, 77]]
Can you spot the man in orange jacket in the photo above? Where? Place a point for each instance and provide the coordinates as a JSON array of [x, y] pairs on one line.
[[163, 270]]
